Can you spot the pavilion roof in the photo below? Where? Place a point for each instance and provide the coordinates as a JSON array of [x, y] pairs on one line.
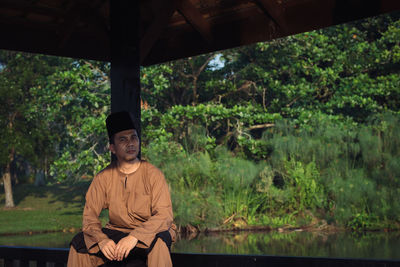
[[170, 29]]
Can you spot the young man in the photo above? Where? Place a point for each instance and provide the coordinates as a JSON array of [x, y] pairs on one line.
[[136, 195]]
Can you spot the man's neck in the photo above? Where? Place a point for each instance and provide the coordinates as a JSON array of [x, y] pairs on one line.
[[128, 167]]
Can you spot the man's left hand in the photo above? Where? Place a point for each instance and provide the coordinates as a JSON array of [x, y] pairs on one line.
[[124, 246]]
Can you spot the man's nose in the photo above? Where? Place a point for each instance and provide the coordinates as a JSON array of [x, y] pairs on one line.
[[133, 140]]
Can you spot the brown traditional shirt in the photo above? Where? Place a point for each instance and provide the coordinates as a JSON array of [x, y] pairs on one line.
[[138, 203]]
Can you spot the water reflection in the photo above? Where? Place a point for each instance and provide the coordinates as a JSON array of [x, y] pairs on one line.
[[378, 245], [52, 240]]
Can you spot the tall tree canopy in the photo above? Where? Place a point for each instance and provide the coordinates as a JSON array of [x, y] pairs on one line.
[[349, 71], [45, 102], [23, 130]]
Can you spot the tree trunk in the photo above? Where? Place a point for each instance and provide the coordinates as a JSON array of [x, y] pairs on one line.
[[195, 96], [7, 174], [8, 187]]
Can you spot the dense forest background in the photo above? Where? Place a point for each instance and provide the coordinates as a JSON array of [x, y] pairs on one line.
[[299, 131]]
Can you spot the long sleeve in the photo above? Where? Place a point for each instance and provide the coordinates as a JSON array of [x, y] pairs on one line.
[[161, 209], [95, 202]]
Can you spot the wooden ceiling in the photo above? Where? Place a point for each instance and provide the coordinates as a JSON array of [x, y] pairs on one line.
[[170, 29]]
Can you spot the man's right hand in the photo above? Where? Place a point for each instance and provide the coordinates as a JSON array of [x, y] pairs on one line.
[[107, 247]]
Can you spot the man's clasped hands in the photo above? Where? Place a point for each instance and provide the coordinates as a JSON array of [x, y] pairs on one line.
[[120, 250]]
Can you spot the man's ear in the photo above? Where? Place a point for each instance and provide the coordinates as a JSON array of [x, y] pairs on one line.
[[111, 147]]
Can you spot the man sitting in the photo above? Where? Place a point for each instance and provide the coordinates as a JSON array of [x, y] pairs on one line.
[[136, 195]]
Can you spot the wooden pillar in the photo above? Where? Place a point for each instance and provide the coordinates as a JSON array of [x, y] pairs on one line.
[[125, 64]]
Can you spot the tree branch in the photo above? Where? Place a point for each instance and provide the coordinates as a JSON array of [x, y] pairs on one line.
[[261, 126]]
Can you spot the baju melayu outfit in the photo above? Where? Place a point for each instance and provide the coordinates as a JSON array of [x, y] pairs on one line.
[[139, 204]]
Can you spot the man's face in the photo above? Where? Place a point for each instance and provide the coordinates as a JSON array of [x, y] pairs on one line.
[[126, 145]]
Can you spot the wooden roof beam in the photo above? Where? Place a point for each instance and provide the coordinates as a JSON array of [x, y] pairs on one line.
[[163, 10], [73, 16], [228, 34], [275, 11], [195, 19], [30, 7]]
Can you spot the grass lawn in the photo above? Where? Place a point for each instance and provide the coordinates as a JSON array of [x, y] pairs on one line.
[[45, 208]]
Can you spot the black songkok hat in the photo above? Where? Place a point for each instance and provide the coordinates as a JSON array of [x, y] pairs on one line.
[[118, 122]]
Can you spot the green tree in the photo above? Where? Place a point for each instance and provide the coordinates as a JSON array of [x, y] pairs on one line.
[[180, 82], [75, 103], [350, 70], [22, 132]]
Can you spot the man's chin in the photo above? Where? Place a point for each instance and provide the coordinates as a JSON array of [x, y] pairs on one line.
[[131, 158]]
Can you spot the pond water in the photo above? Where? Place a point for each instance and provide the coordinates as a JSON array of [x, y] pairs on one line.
[[372, 245]]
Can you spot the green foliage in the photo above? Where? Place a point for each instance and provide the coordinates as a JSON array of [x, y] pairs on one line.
[[180, 126], [181, 82], [45, 102], [208, 189], [192, 188], [340, 168], [20, 138], [340, 70], [305, 183], [24, 133], [379, 142], [316, 167], [362, 221], [81, 139], [236, 177], [276, 133]]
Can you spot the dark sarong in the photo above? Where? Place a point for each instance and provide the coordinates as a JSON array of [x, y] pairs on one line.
[[136, 258]]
